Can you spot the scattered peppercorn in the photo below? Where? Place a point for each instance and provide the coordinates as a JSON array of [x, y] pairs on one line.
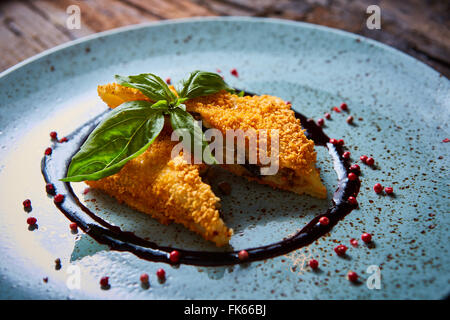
[[341, 142], [218, 70], [48, 151], [313, 263], [333, 141], [344, 107], [174, 256], [355, 167], [234, 72], [320, 122], [31, 221], [352, 276], [27, 204], [349, 119], [327, 116], [161, 274], [354, 242], [370, 161], [366, 237], [363, 158], [352, 200], [243, 255], [168, 81], [73, 226], [50, 188], [346, 155], [64, 139], [337, 109], [352, 176], [144, 278], [378, 188], [324, 221], [389, 190], [53, 135], [340, 250], [104, 281], [58, 198]]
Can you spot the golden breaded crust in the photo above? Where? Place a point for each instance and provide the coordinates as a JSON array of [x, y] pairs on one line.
[[169, 190], [114, 94], [228, 111]]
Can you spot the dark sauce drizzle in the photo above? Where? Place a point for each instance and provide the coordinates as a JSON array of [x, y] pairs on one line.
[[55, 166]]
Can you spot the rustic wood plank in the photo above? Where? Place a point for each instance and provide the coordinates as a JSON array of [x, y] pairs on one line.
[[22, 33], [170, 9], [417, 27]]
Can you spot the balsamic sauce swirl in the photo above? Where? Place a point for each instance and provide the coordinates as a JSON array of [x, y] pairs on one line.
[[55, 167]]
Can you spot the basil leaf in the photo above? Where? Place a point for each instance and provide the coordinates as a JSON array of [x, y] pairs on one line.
[[126, 133], [202, 83], [149, 84], [180, 119]]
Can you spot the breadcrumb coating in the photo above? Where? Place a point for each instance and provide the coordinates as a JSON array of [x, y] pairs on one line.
[[168, 189], [225, 111]]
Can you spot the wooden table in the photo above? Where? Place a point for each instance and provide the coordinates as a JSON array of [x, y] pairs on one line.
[[419, 28]]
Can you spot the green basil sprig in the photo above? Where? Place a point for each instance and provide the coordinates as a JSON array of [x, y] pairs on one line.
[[131, 128]]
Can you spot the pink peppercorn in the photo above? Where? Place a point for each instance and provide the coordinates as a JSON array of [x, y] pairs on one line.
[[366, 237], [104, 281], [234, 72], [243, 255], [337, 109], [50, 188], [64, 139], [340, 250], [161, 274], [144, 278], [73, 226], [168, 81], [324, 221], [313, 263], [333, 141], [349, 119], [31, 221], [355, 167], [363, 158], [354, 242], [341, 142], [346, 155], [58, 198], [352, 276], [370, 161], [327, 116], [26, 204], [352, 201], [378, 188], [389, 190], [48, 151], [352, 176], [320, 122], [174, 256], [344, 107], [53, 135]]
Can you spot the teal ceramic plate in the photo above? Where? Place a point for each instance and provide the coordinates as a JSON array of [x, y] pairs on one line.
[[401, 110]]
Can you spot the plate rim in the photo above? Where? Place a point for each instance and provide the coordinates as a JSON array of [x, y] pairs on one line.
[[168, 22]]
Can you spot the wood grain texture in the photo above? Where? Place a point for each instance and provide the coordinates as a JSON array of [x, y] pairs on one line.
[[420, 28]]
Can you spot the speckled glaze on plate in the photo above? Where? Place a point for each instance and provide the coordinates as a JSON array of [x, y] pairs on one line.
[[401, 109]]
